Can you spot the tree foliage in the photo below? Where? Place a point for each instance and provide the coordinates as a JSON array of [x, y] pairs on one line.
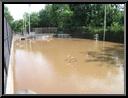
[[77, 19], [8, 15]]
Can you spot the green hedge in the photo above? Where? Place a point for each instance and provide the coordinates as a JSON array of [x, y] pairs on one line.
[[114, 33]]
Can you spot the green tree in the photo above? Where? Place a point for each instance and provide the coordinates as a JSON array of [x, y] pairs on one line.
[[18, 25], [8, 15], [76, 19], [34, 20], [44, 18]]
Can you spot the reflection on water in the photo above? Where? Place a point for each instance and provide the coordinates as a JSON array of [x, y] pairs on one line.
[[68, 66]]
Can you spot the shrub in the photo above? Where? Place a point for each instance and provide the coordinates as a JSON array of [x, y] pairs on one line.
[[116, 27]]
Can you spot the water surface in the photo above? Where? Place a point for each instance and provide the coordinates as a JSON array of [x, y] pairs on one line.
[[68, 66]]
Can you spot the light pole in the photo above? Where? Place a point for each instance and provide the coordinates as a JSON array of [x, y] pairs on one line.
[[25, 22], [23, 25], [29, 17], [104, 23]]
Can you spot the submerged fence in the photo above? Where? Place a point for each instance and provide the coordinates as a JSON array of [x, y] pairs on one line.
[[45, 30], [8, 33]]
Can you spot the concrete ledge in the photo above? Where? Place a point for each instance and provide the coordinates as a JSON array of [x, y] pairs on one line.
[[26, 91], [10, 78]]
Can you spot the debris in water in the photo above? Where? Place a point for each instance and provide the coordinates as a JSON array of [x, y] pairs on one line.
[[22, 38]]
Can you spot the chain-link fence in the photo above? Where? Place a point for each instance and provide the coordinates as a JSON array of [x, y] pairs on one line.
[[45, 30], [7, 47]]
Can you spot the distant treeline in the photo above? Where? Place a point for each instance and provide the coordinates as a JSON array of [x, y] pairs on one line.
[[79, 20]]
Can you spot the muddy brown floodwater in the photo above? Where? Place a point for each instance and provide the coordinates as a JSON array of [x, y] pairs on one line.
[[68, 66]]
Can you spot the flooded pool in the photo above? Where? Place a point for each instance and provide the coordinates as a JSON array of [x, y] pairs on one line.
[[68, 66]]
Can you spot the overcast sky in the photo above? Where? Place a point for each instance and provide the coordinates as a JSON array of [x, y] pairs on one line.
[[17, 10]]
